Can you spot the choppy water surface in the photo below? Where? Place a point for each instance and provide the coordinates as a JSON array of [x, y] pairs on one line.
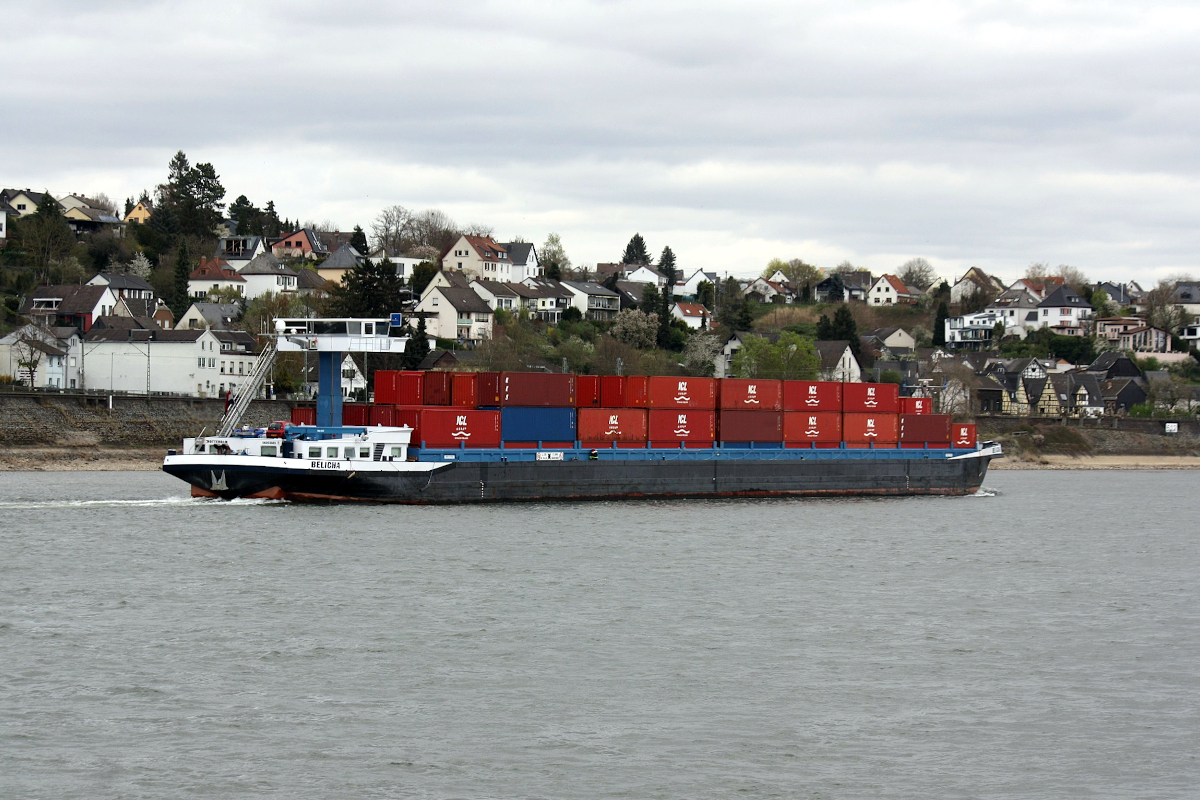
[[1040, 641]]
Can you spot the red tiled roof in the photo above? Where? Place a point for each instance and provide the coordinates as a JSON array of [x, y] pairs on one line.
[[692, 309]]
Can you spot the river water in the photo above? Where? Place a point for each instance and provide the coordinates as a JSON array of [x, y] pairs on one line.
[[1041, 639]]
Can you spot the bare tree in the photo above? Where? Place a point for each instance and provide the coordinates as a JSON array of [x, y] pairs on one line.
[[102, 202], [29, 353], [1161, 310], [388, 229], [431, 228], [917, 272], [1037, 270], [476, 229]]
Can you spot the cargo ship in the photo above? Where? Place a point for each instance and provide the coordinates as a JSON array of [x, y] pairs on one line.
[[480, 437]]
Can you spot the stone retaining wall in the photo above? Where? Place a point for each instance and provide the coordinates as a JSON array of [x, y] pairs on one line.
[[79, 421]]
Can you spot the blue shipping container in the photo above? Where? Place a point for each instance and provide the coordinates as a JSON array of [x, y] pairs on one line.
[[521, 424]]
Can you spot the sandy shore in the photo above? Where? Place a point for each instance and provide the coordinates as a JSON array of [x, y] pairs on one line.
[[72, 459], [1100, 462]]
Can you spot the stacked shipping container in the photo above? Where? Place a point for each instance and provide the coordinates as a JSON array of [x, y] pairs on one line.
[[534, 409]]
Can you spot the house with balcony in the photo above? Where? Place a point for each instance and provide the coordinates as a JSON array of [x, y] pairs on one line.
[[304, 243], [1065, 312], [213, 275], [498, 295], [458, 313], [593, 300], [72, 306], [1145, 339], [972, 331], [479, 257], [239, 251], [546, 299], [1017, 308]]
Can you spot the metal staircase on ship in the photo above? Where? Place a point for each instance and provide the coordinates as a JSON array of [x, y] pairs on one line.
[[248, 390]]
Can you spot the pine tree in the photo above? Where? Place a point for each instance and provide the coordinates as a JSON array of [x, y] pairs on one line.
[[939, 324], [824, 329], [358, 240], [845, 328], [666, 265], [745, 316], [417, 347], [636, 251], [183, 268]]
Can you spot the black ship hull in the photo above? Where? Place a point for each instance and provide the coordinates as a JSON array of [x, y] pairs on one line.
[[494, 482]]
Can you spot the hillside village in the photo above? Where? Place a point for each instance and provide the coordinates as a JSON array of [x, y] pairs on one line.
[[171, 295]]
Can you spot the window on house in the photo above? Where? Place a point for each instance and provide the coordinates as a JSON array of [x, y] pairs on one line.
[[222, 367]]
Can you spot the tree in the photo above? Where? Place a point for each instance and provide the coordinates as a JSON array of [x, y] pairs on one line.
[[837, 288], [825, 330], [636, 251], [422, 274], [247, 216], [745, 315], [179, 287], [358, 240], [997, 334], [939, 324], [666, 265], [271, 225], [790, 357], [553, 258], [636, 328], [28, 351], [44, 236], [194, 195], [917, 272], [844, 327], [706, 295], [1101, 304], [700, 353], [371, 289], [650, 299], [139, 266], [1161, 310], [729, 303], [389, 229], [417, 347]]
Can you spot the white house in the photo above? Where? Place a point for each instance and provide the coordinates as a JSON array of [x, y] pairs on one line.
[[498, 295], [74, 306], [353, 380], [6, 213], [645, 274], [41, 357], [888, 290], [238, 251], [266, 275], [524, 259], [213, 275], [838, 362], [1017, 307], [122, 285], [975, 281], [453, 312], [694, 315], [479, 257], [182, 362], [593, 300], [199, 316], [972, 330], [690, 286], [1065, 310]]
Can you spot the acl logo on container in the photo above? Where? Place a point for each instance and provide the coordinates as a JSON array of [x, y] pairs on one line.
[[812, 397], [681, 393], [964, 435], [460, 428], [614, 427], [813, 429], [752, 394], [681, 426], [870, 401], [870, 427]]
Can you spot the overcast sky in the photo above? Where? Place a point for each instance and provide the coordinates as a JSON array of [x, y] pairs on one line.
[[970, 133]]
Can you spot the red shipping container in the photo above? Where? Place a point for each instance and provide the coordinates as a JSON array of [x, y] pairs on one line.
[[751, 426], [450, 427], [587, 391], [383, 415], [387, 386], [356, 414], [666, 392], [751, 394], [862, 428], [464, 389], [608, 445], [883, 398], [437, 389], [544, 389], [611, 424], [815, 426], [964, 435], [612, 391], [916, 405], [683, 426], [304, 415], [924, 427], [404, 388], [637, 392], [931, 445], [812, 396], [488, 389]]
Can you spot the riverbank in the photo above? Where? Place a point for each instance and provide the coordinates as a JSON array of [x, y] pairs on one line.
[[1098, 462], [76, 459]]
